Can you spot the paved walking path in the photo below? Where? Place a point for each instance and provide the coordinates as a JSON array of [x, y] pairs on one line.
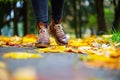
[[57, 66]]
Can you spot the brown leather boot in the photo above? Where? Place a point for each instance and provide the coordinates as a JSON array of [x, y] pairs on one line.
[[43, 36], [57, 31]]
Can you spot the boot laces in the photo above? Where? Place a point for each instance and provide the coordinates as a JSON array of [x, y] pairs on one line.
[[59, 30], [43, 34]]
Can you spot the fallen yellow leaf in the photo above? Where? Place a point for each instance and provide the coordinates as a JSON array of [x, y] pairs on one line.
[[21, 55], [2, 65], [53, 49]]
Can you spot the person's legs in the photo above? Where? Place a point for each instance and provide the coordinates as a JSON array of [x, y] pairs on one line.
[[56, 23], [40, 9], [57, 7]]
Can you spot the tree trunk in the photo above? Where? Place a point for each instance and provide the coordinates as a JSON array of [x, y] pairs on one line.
[[15, 20], [25, 17], [100, 16], [75, 18], [1, 22], [79, 21], [116, 17]]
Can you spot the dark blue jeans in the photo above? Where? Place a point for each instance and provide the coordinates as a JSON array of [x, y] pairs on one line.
[[40, 8]]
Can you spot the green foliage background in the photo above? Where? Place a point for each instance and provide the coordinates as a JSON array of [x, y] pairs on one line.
[[78, 17]]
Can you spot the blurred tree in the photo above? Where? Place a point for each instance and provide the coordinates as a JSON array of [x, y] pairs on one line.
[[78, 14], [100, 16], [25, 13], [4, 12], [75, 17], [19, 10], [116, 21], [92, 19], [15, 20], [71, 15]]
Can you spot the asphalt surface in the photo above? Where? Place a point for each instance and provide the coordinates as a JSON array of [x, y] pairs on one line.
[[58, 66]]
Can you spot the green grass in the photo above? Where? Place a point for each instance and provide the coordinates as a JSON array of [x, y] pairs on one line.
[[116, 37]]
